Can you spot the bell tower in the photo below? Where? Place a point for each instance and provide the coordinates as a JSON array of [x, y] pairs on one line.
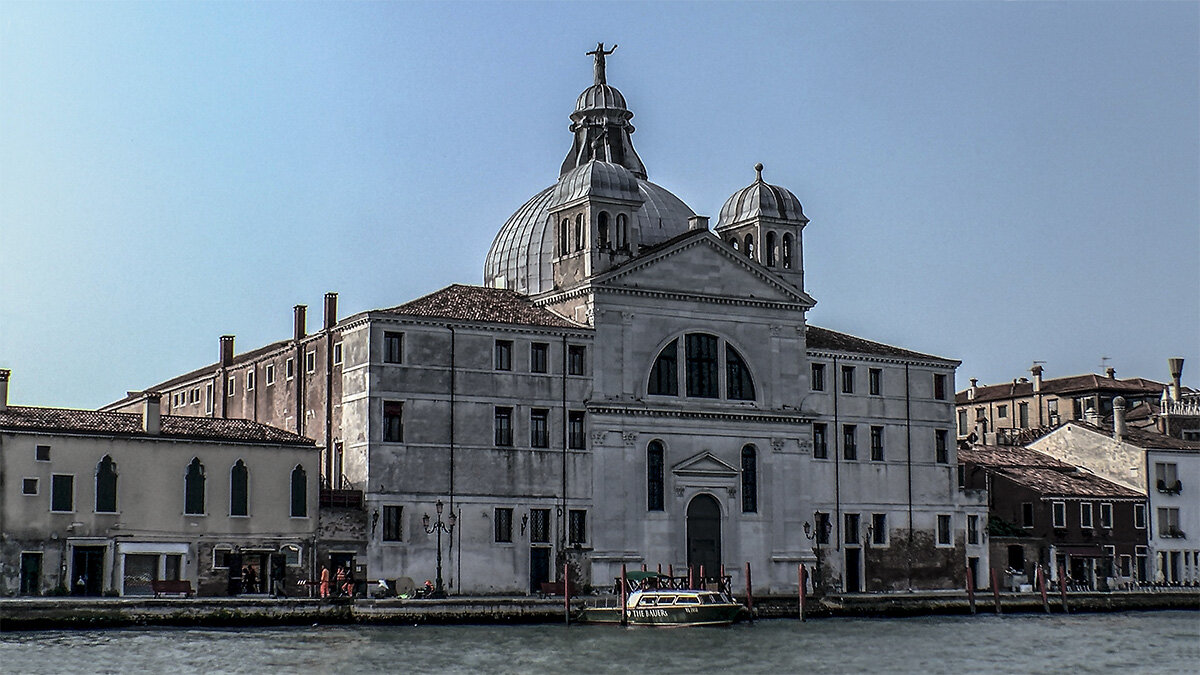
[[766, 223]]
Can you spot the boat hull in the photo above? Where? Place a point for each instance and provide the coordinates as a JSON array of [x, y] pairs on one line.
[[667, 617]]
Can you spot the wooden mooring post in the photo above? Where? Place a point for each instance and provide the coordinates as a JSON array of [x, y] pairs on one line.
[[802, 592], [624, 594], [995, 591], [1041, 575], [1062, 588], [567, 593], [749, 593], [971, 589]]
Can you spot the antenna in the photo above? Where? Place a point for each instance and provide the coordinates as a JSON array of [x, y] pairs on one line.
[[1104, 362]]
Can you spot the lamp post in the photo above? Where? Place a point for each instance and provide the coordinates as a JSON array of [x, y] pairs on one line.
[[815, 535], [439, 527]]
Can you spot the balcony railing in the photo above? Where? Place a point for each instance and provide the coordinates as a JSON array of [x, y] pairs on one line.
[[1170, 488], [350, 499]]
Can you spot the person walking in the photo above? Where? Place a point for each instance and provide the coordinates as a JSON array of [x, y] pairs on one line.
[[325, 581], [341, 580]]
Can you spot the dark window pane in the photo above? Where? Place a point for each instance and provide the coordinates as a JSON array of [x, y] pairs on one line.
[[576, 438], [849, 442], [299, 492], [393, 421], [539, 434], [654, 476], [702, 363], [818, 377], [576, 527], [875, 381], [664, 377], [539, 526], [749, 480], [193, 488], [62, 493], [576, 356], [393, 524], [538, 357], [820, 441], [239, 485], [504, 426], [504, 525], [942, 451], [503, 354], [106, 486], [737, 378], [393, 347], [876, 444], [847, 379]]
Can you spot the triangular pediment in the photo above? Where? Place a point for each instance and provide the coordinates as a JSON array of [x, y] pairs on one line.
[[705, 266], [704, 464]]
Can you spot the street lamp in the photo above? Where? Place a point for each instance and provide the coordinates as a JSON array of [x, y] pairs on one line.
[[439, 527], [815, 535]]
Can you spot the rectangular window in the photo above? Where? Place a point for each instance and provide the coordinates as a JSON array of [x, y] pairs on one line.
[[539, 357], [1027, 514], [818, 377], [539, 433], [194, 395], [1002, 411], [1139, 516], [820, 442], [503, 525], [393, 347], [539, 526], [1126, 568], [269, 373], [939, 387], [823, 527], [232, 387], [29, 486], [1142, 557], [393, 523], [849, 441], [941, 446], [847, 379], [876, 444], [310, 362], [962, 476], [289, 368], [1168, 523], [850, 532], [1166, 477], [220, 557], [208, 397], [702, 365], [337, 354], [504, 434], [62, 493], [972, 529], [576, 527], [1085, 515], [945, 537], [879, 531], [576, 438], [875, 381], [42, 453], [962, 422], [250, 381], [503, 357], [1106, 518], [1058, 514], [576, 357], [393, 422], [1023, 415]]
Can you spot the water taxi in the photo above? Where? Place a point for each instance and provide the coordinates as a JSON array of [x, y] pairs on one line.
[[670, 608]]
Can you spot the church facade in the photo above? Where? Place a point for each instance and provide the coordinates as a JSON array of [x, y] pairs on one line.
[[629, 386]]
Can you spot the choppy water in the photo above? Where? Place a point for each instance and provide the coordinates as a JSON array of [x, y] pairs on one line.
[[1159, 642]]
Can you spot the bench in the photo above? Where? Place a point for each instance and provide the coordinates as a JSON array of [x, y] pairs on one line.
[[172, 586]]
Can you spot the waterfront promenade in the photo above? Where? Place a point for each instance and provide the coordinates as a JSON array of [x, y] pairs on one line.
[[67, 612]]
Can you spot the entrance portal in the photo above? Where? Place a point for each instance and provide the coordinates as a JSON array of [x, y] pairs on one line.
[[853, 574], [704, 535], [87, 570]]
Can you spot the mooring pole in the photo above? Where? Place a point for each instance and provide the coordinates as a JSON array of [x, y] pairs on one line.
[[802, 592], [701, 578], [749, 593], [1041, 573], [1062, 588], [643, 567], [624, 595], [971, 589], [995, 591], [691, 577], [567, 593]]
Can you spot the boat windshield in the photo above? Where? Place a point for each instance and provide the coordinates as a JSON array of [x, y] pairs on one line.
[[710, 599]]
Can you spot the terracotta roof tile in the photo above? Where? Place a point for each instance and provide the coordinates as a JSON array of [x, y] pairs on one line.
[[1074, 384], [823, 338], [1055, 483], [1009, 456], [1142, 438], [479, 303], [94, 422]]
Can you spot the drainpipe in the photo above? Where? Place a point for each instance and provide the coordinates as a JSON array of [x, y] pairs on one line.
[[453, 391], [837, 460], [908, 465], [565, 520]]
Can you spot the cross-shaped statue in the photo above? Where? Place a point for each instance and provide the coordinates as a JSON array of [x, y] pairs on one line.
[[599, 53]]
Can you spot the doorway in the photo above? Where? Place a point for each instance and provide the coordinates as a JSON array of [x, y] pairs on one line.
[[87, 570], [704, 535], [31, 573], [853, 573], [539, 568]]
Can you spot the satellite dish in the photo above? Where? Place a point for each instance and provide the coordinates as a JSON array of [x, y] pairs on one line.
[[405, 587]]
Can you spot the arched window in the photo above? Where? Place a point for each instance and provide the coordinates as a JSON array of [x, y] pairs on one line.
[[733, 241], [738, 383], [622, 232], [193, 488], [299, 492], [787, 252], [770, 250], [564, 247], [702, 364], [749, 480], [239, 490], [106, 486], [664, 377], [654, 476], [749, 249], [579, 232], [602, 228]]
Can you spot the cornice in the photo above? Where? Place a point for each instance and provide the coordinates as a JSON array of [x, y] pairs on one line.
[[485, 326], [876, 358], [678, 413]]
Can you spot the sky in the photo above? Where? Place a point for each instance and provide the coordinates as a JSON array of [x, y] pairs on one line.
[[992, 182]]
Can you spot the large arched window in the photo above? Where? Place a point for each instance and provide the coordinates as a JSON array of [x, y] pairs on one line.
[[739, 386], [106, 486], [749, 248], [299, 492], [579, 232], [702, 365], [664, 377], [193, 488], [770, 250], [787, 252], [654, 476], [239, 490], [602, 228], [564, 247], [749, 479], [622, 232]]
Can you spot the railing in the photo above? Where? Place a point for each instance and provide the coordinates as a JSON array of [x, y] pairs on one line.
[[1170, 488], [665, 583], [352, 499]]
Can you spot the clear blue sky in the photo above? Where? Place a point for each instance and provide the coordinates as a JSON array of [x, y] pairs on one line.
[[993, 182]]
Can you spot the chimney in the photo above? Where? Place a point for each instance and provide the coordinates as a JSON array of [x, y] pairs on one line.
[[152, 412], [1119, 418], [1091, 416], [4, 373], [301, 331], [1036, 371], [971, 391], [698, 222], [1176, 367], [330, 310], [1110, 373], [226, 350]]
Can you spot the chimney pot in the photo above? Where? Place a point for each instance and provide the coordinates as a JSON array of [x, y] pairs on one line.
[[1175, 365], [971, 390], [698, 222], [226, 350], [301, 323], [1036, 371], [1110, 373], [4, 373], [330, 310], [152, 412], [1119, 418]]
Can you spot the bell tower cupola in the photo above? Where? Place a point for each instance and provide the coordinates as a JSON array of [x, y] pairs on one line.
[[766, 223]]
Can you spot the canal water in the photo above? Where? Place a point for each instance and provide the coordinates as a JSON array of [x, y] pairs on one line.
[[1158, 642]]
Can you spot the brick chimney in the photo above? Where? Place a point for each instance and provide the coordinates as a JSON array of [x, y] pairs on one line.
[[226, 350], [1175, 365], [301, 329], [1036, 371], [972, 389], [1119, 418], [4, 373], [330, 310], [697, 222], [1090, 415]]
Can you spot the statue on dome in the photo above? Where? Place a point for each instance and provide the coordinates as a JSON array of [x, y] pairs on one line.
[[599, 53]]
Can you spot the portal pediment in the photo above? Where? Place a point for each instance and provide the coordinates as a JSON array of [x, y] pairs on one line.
[[704, 465]]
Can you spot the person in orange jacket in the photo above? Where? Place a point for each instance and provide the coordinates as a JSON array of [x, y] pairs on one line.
[[325, 582]]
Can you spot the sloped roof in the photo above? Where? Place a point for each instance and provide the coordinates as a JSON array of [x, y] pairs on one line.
[[1056, 483], [1142, 438], [823, 338], [99, 423], [1009, 456], [479, 303], [1074, 384]]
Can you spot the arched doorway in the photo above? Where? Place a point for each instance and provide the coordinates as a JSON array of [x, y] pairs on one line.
[[704, 534]]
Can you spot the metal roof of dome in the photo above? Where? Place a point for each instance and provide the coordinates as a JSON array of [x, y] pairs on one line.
[[596, 179], [600, 97], [761, 200]]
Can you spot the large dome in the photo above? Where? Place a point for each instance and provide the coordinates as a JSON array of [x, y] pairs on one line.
[[521, 254]]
